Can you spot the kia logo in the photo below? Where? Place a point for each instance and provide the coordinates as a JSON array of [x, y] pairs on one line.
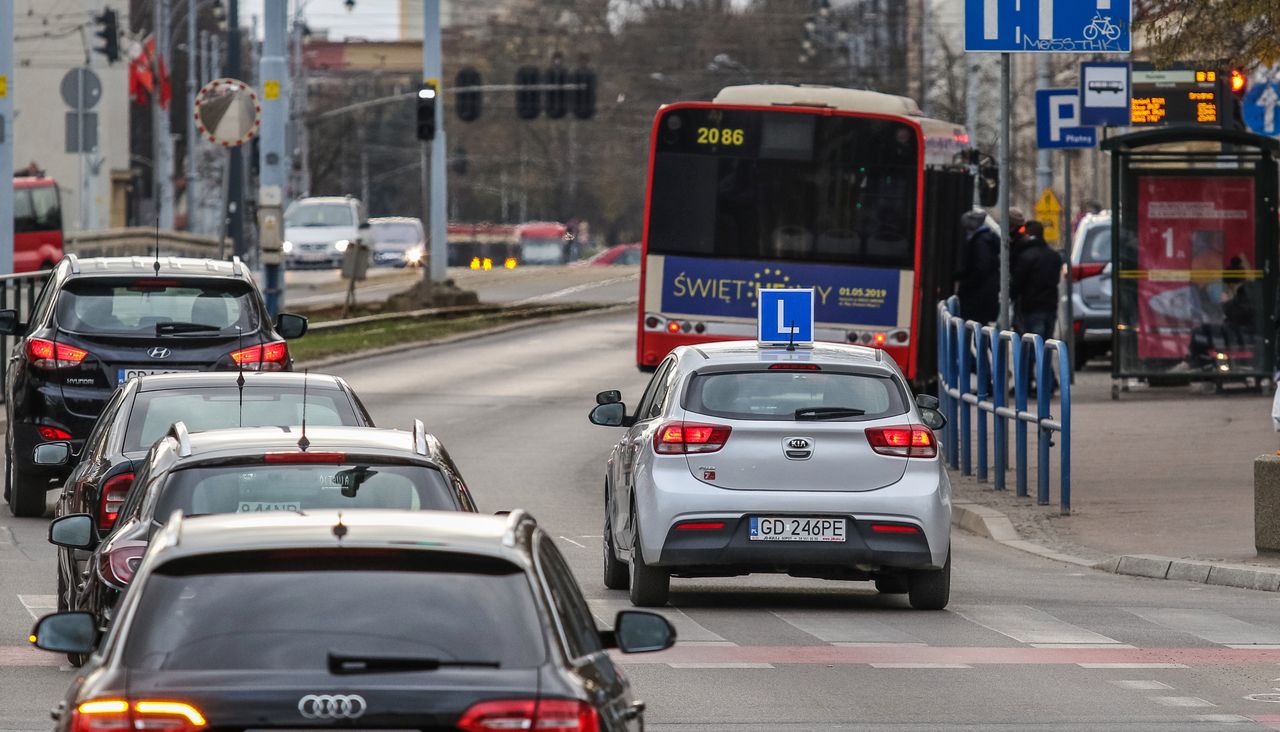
[[798, 443], [158, 352], [332, 706]]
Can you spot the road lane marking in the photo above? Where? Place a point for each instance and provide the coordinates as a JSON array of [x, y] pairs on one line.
[[919, 665], [687, 629], [1209, 625], [18, 656], [1081, 645], [1090, 658], [1029, 625], [571, 541], [1132, 665], [39, 605], [721, 665], [1222, 718], [1143, 685], [836, 626], [1182, 701], [574, 289]]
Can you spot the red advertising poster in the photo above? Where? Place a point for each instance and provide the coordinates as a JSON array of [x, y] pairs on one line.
[[1195, 250]]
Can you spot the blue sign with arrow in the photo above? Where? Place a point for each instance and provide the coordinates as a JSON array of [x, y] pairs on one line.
[[1261, 108], [1047, 26], [1058, 120]]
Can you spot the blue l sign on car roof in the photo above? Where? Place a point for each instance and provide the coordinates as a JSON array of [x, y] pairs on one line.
[[785, 316]]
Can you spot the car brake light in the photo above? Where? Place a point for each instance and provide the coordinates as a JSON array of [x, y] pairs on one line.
[[676, 438], [530, 714], [895, 529], [905, 441], [49, 355], [1081, 271], [118, 565], [795, 367], [294, 458], [263, 357], [113, 494], [118, 715], [52, 433]]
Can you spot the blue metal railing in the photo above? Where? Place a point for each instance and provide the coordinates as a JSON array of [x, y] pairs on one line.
[[974, 365]]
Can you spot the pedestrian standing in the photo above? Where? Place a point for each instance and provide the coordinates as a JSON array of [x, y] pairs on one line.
[[978, 277], [1033, 283]]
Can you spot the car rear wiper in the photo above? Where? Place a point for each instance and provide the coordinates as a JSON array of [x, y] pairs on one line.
[[345, 665], [179, 327], [810, 413]]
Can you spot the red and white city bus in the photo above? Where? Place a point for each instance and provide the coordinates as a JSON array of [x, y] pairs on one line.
[[37, 224], [546, 242], [852, 193]]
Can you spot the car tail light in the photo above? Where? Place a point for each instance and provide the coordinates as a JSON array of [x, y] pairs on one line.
[[114, 491], [118, 565], [264, 357], [294, 458], [895, 529], [119, 715], [52, 433], [700, 526], [1081, 271], [530, 714], [49, 355], [906, 441], [795, 367], [676, 438]]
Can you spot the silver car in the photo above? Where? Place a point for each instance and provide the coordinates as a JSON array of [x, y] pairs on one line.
[[1091, 289], [815, 462]]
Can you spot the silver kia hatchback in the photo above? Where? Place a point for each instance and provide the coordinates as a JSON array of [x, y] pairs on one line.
[[812, 462]]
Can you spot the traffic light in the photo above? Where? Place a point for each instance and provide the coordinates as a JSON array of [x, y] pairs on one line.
[[110, 35], [584, 93], [427, 112], [528, 98], [557, 96], [1239, 82], [468, 99]]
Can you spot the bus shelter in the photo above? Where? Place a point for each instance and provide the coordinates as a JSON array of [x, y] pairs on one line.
[[1194, 233]]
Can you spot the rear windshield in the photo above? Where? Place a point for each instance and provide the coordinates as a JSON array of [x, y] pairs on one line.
[[320, 214], [224, 407], [136, 306], [778, 394], [287, 611], [1097, 244], [255, 488]]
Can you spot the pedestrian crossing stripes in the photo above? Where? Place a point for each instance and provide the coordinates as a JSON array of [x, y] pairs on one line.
[[687, 630], [843, 626], [1209, 625], [38, 605], [1029, 625]]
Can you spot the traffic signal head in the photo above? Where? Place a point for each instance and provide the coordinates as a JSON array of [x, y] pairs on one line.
[[468, 100], [557, 96], [427, 98], [528, 98], [584, 93], [110, 35], [1239, 82]]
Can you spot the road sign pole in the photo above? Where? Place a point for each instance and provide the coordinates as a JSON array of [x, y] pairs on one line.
[[234, 209], [1044, 158], [274, 94], [6, 136], [1069, 325], [82, 195], [1006, 231], [438, 226], [193, 56]]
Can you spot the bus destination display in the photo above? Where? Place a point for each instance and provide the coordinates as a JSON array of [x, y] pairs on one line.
[[1174, 96]]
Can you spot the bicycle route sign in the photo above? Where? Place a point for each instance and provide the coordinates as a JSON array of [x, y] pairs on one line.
[[1047, 26]]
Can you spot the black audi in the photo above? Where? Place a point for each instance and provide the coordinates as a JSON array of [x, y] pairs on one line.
[[363, 620], [142, 411], [99, 322]]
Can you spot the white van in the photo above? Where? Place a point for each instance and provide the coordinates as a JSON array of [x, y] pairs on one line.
[[318, 230]]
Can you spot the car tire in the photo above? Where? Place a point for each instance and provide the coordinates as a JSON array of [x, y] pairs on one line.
[[28, 502], [65, 604], [650, 586], [893, 584], [616, 573], [930, 589]]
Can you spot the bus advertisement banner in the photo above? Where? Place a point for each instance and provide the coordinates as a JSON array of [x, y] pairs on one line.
[[1195, 260], [848, 295]]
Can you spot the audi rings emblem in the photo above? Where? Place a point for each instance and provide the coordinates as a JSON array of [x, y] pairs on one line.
[[332, 706], [158, 352]]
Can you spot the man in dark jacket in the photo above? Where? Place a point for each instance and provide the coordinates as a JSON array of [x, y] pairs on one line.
[[978, 278], [1033, 283]]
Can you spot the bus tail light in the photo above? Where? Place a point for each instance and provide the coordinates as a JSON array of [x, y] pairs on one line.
[[49, 355], [879, 339], [673, 327], [652, 322], [114, 491], [679, 438], [910, 441]]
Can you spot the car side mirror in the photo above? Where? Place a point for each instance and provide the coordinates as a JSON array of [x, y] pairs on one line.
[[611, 396], [365, 226], [609, 415], [637, 631], [932, 418], [70, 632], [927, 401], [73, 531], [52, 453], [9, 324], [291, 326]]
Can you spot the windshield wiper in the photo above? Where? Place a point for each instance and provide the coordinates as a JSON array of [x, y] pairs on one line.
[[180, 327], [345, 665], [809, 413]]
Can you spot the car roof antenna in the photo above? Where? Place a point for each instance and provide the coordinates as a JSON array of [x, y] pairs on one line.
[[303, 442], [339, 529], [156, 264], [240, 368], [791, 337]]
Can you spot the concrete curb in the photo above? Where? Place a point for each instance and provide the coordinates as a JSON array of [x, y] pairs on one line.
[[460, 337], [992, 524]]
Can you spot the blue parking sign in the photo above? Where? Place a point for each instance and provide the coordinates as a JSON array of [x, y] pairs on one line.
[[785, 316]]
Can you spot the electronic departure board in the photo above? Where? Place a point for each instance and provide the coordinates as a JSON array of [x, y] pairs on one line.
[[1179, 96]]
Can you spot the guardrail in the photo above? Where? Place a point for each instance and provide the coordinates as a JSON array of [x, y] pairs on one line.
[[17, 292], [975, 363]]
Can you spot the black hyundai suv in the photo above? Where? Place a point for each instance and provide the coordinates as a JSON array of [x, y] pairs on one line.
[[352, 620], [99, 322]]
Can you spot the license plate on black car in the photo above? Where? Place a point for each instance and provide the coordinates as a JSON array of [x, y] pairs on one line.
[[797, 528], [126, 374]]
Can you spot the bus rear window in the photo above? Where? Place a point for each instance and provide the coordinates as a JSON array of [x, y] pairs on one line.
[[784, 185]]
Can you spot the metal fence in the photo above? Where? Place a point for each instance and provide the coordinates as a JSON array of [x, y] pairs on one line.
[[975, 365], [17, 292]]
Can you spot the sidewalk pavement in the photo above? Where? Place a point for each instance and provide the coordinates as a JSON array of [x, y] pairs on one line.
[[1163, 474]]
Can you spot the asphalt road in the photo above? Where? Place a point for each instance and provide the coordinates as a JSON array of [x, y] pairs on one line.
[[1027, 643]]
